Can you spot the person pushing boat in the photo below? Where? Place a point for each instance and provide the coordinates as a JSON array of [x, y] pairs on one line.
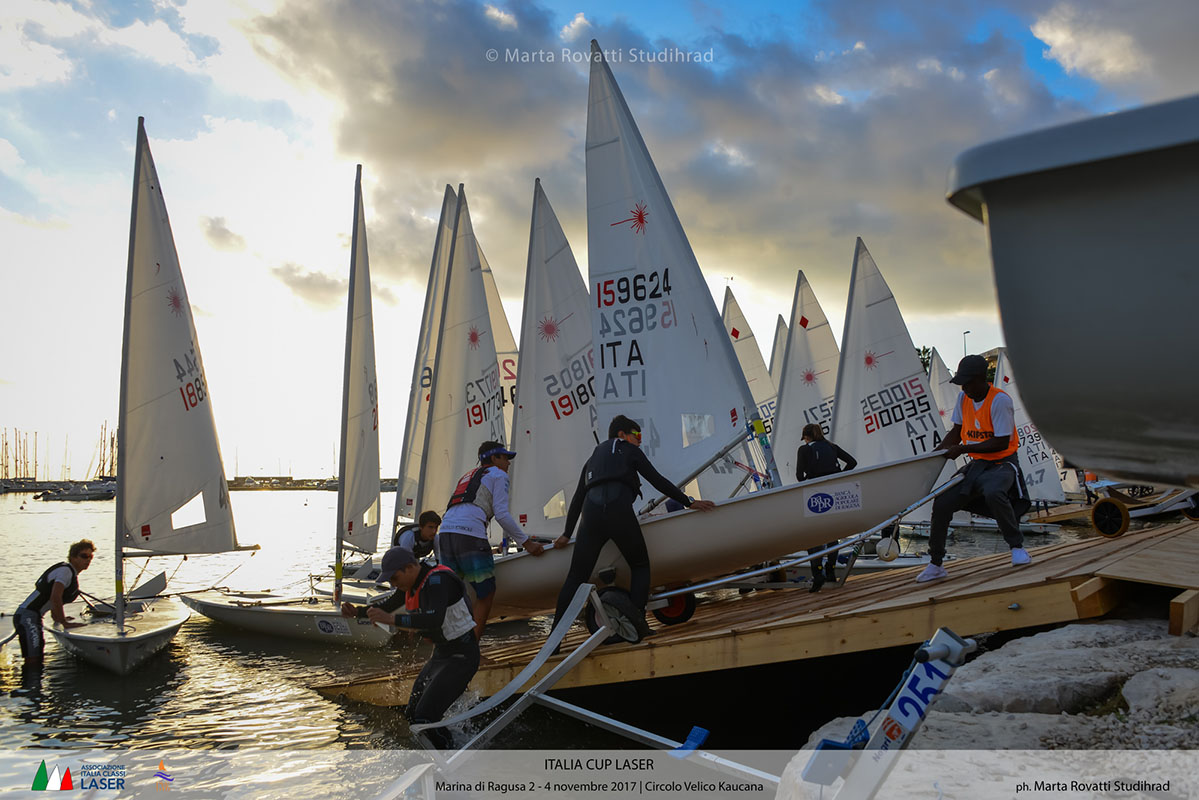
[[984, 429], [608, 486], [57, 586], [433, 601], [480, 496]]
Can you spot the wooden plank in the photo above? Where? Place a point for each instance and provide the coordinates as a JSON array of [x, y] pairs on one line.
[[1096, 597], [1184, 612]]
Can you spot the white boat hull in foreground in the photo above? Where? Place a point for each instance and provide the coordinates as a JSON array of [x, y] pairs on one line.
[[690, 546], [149, 627], [312, 618]]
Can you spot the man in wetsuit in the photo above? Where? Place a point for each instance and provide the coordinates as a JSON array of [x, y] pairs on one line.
[[419, 538], [608, 487], [433, 601], [56, 586]]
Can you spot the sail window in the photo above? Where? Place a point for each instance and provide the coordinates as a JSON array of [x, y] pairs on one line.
[[556, 507], [190, 513], [370, 517], [697, 427]]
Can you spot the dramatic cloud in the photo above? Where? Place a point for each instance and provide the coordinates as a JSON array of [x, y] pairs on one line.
[[219, 236], [315, 288]]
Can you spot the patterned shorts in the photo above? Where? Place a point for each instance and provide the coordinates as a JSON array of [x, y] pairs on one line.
[[470, 558]]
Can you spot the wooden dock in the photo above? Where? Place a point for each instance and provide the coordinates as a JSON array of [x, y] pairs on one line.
[[983, 594]]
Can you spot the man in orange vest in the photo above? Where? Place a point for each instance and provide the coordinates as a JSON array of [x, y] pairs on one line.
[[984, 429]]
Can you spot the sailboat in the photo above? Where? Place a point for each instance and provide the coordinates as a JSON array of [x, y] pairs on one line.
[[313, 617], [807, 377], [506, 355], [172, 497], [412, 452], [555, 420], [665, 361], [1037, 459]]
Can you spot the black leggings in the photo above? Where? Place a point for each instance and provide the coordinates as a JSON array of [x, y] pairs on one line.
[[441, 682], [601, 522]]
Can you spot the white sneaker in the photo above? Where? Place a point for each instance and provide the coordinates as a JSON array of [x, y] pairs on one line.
[[1020, 557], [931, 573]]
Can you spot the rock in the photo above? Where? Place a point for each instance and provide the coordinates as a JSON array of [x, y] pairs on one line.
[[1164, 688]]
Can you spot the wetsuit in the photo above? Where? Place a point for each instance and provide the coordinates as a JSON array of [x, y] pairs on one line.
[[28, 617], [815, 460], [608, 487], [439, 608]]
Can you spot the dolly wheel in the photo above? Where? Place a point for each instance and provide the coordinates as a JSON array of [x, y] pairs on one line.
[[618, 605], [1191, 512], [680, 608], [1110, 517]]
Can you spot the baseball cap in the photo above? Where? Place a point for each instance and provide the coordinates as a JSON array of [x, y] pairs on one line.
[[969, 368], [395, 560], [489, 449]]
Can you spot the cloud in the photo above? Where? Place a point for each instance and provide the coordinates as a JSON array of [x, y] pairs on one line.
[[220, 237], [501, 18], [575, 28], [315, 288]]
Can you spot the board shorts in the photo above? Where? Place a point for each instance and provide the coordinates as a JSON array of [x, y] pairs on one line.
[[471, 559]]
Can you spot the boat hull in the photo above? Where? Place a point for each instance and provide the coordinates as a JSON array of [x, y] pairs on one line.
[[313, 619], [690, 546], [1093, 241], [146, 632]]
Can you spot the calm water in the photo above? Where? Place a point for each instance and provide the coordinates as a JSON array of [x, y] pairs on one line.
[[213, 687]]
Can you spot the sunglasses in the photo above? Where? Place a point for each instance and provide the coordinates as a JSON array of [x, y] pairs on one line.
[[635, 433]]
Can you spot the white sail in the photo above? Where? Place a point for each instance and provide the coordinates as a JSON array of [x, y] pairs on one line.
[[778, 348], [422, 368], [171, 490], [505, 343], [466, 403], [945, 394], [807, 378], [358, 498], [884, 408], [1041, 471], [555, 413], [663, 358]]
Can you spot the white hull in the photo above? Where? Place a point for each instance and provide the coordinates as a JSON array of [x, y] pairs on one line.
[[145, 633], [1093, 239], [690, 546], [297, 618], [356, 592]]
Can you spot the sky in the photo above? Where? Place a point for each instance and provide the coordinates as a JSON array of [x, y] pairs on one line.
[[800, 126]]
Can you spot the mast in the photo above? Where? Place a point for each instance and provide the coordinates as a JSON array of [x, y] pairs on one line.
[[345, 392], [119, 558]]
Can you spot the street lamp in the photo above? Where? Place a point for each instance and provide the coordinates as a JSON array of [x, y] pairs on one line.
[[964, 354]]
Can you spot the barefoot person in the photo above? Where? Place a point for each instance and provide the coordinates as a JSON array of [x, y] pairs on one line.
[[57, 586]]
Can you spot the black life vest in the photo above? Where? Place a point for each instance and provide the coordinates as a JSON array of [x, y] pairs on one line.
[[825, 457], [420, 548], [610, 462], [45, 586], [468, 487]]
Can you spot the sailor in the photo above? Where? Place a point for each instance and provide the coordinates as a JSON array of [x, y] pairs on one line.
[[435, 603], [419, 537], [816, 458], [57, 585], [608, 487], [984, 429], [481, 494]]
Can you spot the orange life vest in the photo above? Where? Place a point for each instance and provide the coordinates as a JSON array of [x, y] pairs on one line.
[[412, 596], [977, 427]]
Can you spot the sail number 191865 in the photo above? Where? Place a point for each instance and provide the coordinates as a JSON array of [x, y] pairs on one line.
[[638, 288]]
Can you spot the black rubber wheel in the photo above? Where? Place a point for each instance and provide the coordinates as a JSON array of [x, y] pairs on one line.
[[680, 608], [618, 605], [1110, 517], [1191, 512]]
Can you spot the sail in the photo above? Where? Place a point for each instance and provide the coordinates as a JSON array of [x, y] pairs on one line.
[[807, 378], [945, 394], [777, 349], [465, 400], [171, 490], [1041, 470], [663, 358], [505, 344], [884, 409], [555, 413], [422, 368], [358, 499]]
